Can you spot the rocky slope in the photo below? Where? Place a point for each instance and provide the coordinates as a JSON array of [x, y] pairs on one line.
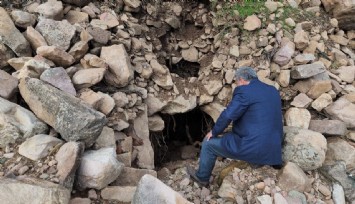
[[83, 85]]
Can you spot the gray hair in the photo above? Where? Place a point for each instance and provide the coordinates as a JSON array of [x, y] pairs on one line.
[[246, 73]]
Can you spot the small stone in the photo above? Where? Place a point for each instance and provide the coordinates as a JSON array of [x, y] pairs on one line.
[[322, 101], [334, 22], [35, 38], [234, 51], [292, 177], [290, 22], [271, 5], [23, 19], [252, 23], [118, 193], [301, 40], [52, 9], [301, 101], [190, 54], [324, 190], [23, 170], [264, 199], [58, 56], [88, 77], [8, 85], [109, 19], [297, 117], [59, 78], [260, 185], [328, 127]]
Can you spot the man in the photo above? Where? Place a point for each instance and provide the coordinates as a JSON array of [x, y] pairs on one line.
[[256, 136]]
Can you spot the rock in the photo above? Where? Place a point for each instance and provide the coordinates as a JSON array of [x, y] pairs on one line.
[[131, 176], [304, 58], [91, 98], [290, 22], [150, 190], [284, 54], [213, 87], [296, 196], [120, 70], [339, 39], [154, 104], [77, 2], [35, 38], [109, 19], [343, 110], [35, 190], [106, 138], [32, 68], [301, 101], [307, 70], [324, 190], [190, 54], [121, 99], [79, 50], [271, 6], [85, 78], [59, 78], [291, 177], [318, 88], [284, 78], [328, 127], [118, 193], [125, 158], [252, 23], [12, 37], [17, 123], [56, 33], [38, 146], [65, 113], [155, 123], [68, 158], [301, 40], [52, 9], [134, 4], [77, 17], [338, 194], [107, 103], [264, 199], [98, 168], [303, 147], [58, 56], [297, 117], [145, 156], [173, 21], [322, 101], [234, 51], [340, 150], [346, 73], [229, 188], [5, 55], [8, 85], [101, 36], [279, 199], [213, 109], [180, 105], [23, 19]]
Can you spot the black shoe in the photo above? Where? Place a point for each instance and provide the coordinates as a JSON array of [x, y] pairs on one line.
[[192, 172]]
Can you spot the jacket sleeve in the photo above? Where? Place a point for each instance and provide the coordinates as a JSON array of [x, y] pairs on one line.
[[235, 109]]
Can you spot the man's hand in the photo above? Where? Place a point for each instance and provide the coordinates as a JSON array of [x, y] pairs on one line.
[[208, 135]]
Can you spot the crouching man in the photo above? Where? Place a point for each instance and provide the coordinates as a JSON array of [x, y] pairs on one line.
[[256, 136]]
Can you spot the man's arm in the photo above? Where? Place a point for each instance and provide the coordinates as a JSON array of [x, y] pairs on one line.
[[234, 110]]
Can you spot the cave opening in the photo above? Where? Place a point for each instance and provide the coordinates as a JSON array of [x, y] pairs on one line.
[[182, 136], [184, 68]]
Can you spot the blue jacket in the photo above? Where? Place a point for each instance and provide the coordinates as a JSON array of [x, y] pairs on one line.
[[256, 136]]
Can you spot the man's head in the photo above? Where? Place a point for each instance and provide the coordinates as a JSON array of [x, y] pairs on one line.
[[244, 75]]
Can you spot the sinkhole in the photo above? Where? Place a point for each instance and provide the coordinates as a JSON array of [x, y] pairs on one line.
[[181, 137]]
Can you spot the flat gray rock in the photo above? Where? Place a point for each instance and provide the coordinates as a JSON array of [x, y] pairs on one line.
[[59, 78], [307, 70], [328, 127], [74, 120]]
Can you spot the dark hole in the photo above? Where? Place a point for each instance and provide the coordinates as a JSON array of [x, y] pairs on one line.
[[181, 130], [184, 68]]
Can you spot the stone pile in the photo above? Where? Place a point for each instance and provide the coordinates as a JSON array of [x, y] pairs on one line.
[[95, 81]]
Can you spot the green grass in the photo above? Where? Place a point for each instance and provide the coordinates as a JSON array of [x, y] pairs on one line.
[[243, 8]]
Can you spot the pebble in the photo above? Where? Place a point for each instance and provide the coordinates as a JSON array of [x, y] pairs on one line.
[[44, 176], [23, 170], [52, 163], [9, 155], [260, 185]]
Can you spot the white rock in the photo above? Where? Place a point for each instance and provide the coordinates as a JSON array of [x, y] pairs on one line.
[[190, 54], [106, 138], [38, 146], [298, 117], [338, 194], [292, 177], [118, 193], [322, 101], [98, 168], [252, 23], [264, 199], [152, 191]]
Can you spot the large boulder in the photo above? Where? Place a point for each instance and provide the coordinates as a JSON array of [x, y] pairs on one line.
[[343, 110], [11, 37], [303, 147], [151, 190], [56, 33], [180, 104], [17, 123], [33, 190], [71, 118], [120, 70], [98, 168]]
